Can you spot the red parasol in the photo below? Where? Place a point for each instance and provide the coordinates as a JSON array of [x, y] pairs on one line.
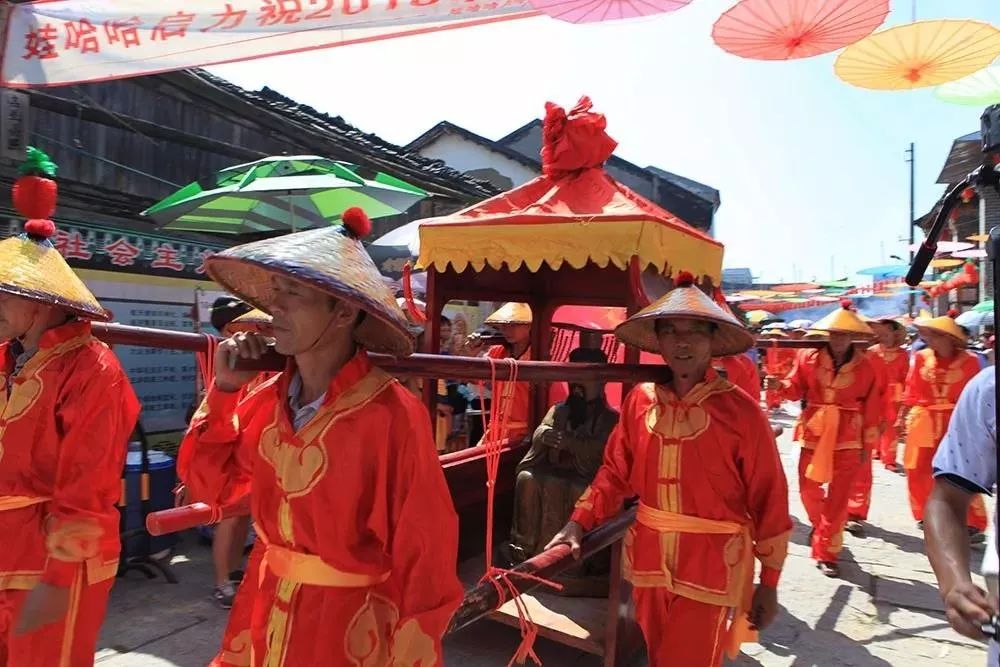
[[788, 29], [595, 11]]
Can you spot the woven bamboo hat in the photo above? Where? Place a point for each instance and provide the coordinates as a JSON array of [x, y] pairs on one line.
[[945, 324], [688, 302], [511, 313], [844, 320], [330, 259], [255, 320], [32, 268]]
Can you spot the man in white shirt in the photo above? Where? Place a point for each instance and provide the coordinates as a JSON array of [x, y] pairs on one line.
[[965, 464]]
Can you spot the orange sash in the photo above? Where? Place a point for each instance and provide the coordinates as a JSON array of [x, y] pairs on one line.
[[920, 431], [311, 570], [826, 422], [19, 502], [662, 521]]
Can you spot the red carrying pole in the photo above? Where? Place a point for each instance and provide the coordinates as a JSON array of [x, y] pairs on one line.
[[181, 518]]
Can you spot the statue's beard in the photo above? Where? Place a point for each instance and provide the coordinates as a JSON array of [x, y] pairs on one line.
[[577, 404]]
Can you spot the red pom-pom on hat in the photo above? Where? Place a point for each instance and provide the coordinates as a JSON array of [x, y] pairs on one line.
[[684, 279], [952, 313], [356, 222], [40, 228], [846, 304]]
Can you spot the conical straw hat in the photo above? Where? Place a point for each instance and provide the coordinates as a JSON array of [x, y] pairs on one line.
[[844, 320], [511, 313], [685, 301], [255, 320], [31, 267], [945, 324], [330, 259]]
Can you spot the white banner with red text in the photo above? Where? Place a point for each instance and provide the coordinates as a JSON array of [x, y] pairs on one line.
[[62, 42]]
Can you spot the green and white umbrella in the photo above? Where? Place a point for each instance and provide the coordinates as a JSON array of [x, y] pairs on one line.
[[278, 194]]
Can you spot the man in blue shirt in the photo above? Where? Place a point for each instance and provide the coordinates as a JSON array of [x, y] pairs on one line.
[[965, 464]]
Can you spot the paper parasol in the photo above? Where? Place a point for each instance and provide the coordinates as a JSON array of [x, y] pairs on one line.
[[944, 247], [787, 29], [917, 55], [971, 253], [979, 238], [945, 263], [595, 11], [979, 90]]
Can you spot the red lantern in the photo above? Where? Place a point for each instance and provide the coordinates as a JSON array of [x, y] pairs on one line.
[[968, 194]]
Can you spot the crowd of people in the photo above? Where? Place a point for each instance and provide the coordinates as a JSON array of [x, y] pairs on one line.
[[354, 561]]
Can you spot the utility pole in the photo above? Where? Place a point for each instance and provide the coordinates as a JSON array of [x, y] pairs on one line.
[[913, 214]]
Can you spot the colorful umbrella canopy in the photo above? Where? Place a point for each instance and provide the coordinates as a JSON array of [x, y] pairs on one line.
[[978, 90], [984, 307], [573, 214], [979, 238], [405, 236], [588, 318], [944, 247], [945, 263], [975, 319], [280, 193], [971, 253], [595, 11], [917, 55], [787, 29], [755, 317]]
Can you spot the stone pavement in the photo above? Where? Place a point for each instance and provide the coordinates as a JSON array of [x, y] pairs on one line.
[[884, 611]]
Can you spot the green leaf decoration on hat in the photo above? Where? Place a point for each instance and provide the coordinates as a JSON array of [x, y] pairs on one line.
[[37, 163]]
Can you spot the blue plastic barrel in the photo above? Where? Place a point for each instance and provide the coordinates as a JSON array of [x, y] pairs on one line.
[[162, 479]]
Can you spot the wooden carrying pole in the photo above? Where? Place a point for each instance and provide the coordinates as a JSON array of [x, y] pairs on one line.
[[436, 366], [485, 597]]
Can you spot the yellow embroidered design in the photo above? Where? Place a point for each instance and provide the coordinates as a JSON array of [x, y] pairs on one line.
[[374, 640], [73, 541], [300, 461], [367, 641], [238, 651], [279, 624]]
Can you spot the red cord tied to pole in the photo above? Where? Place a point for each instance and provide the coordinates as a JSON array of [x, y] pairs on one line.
[[206, 361], [494, 438]]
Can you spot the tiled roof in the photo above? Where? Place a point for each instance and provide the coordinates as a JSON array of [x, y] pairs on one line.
[[363, 146]]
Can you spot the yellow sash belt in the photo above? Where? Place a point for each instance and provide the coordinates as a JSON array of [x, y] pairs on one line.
[[662, 521], [311, 570], [920, 431], [19, 502], [826, 422]]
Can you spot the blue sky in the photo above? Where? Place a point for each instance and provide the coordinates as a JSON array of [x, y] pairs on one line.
[[812, 171]]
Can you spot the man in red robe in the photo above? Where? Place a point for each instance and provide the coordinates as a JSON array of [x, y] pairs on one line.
[[66, 413], [938, 374], [896, 360], [712, 494], [513, 320], [348, 497], [839, 427]]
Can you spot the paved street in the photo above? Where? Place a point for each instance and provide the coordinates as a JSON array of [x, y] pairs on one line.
[[885, 611]]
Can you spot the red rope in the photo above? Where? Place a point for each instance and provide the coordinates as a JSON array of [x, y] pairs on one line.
[[495, 436], [206, 361]]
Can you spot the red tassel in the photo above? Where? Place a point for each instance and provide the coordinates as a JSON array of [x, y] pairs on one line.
[[40, 228], [357, 222], [953, 313], [411, 307], [684, 279], [846, 304]]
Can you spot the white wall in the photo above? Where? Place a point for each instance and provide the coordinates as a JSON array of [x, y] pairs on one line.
[[464, 155]]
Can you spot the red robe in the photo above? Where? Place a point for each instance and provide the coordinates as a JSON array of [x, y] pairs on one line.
[[779, 362], [515, 394], [66, 421], [841, 417], [709, 457], [933, 386], [897, 365], [360, 534], [742, 371], [860, 500]]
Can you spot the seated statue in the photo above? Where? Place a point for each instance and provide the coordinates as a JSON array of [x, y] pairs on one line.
[[566, 451]]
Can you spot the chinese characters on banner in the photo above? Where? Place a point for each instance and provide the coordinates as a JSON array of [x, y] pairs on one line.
[[59, 42], [88, 247], [164, 380]]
